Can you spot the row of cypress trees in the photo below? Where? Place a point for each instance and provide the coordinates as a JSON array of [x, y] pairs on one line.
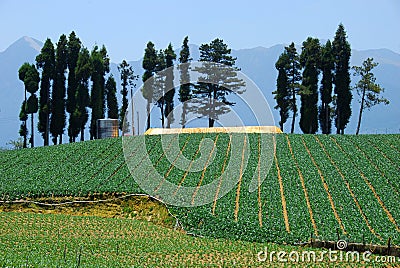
[[333, 60], [58, 95]]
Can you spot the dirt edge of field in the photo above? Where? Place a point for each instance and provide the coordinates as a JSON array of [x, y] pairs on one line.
[[107, 205]]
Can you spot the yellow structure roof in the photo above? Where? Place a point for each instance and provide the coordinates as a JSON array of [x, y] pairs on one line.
[[245, 129]]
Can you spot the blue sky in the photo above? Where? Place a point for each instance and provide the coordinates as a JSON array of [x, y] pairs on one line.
[[126, 26]]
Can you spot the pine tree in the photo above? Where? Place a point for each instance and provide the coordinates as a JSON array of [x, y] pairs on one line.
[[211, 101], [185, 88], [128, 79], [149, 66], [327, 65], [342, 52], [367, 89], [112, 103], [100, 62], [294, 78], [282, 96], [46, 62], [309, 60], [80, 115], [74, 46], [170, 57], [58, 116]]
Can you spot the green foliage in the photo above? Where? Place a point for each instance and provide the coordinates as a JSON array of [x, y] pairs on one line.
[[294, 77], [128, 79], [32, 104], [73, 47], [16, 144], [281, 93], [366, 88], [309, 60], [30, 76], [100, 67], [327, 66], [46, 62], [58, 116], [345, 168], [80, 116], [342, 52], [46, 240], [170, 57], [210, 98], [185, 87], [149, 66], [112, 103]]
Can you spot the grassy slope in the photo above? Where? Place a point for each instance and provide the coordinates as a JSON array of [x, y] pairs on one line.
[[325, 185], [36, 240]]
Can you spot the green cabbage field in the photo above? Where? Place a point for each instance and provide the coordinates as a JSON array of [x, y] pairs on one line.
[[318, 186]]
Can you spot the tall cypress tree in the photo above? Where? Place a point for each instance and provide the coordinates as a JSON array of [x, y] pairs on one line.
[[128, 78], [74, 46], [100, 62], [58, 117], [342, 52], [46, 62], [327, 65], [112, 103], [185, 88], [309, 60], [294, 78], [149, 66], [170, 57], [282, 95], [80, 115]]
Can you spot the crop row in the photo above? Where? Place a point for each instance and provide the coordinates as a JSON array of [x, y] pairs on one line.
[[320, 186]]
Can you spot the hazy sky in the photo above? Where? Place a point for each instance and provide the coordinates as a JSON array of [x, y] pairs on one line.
[[126, 26]]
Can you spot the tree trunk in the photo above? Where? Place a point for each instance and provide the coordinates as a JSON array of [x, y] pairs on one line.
[[327, 115], [25, 141], [361, 111], [133, 114], [82, 134], [294, 111], [210, 116], [162, 113], [32, 132], [148, 115], [281, 125], [210, 122], [337, 120], [46, 138], [184, 115], [60, 139]]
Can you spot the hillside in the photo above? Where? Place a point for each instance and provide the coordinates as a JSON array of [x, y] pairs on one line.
[[319, 186]]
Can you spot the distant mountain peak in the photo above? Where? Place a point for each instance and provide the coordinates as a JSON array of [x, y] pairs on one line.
[[35, 44]]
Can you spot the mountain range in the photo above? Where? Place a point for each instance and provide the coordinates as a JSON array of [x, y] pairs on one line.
[[257, 63]]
